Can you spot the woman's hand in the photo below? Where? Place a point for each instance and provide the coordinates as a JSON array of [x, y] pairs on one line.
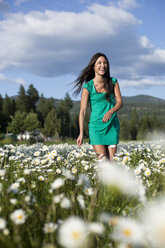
[[107, 116], [79, 140]]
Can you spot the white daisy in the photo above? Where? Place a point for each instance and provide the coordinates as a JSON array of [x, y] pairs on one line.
[[18, 216], [73, 232], [49, 227], [65, 203], [2, 223], [59, 182], [128, 230]]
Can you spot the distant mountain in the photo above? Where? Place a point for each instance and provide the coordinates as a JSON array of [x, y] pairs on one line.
[[126, 99], [142, 99]]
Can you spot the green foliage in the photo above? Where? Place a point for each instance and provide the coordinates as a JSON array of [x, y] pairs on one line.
[[44, 106], [8, 109], [21, 101], [32, 98], [17, 124], [52, 124], [124, 130], [6, 141], [134, 124], [63, 113], [31, 122], [26, 100], [139, 118]]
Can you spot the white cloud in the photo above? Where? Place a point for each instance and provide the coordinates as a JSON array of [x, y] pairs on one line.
[[145, 42], [143, 82], [19, 2], [53, 43], [127, 4], [3, 78]]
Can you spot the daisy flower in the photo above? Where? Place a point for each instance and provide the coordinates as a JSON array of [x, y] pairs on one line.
[[2, 224], [128, 230], [74, 170], [49, 227], [73, 232], [18, 216], [58, 183]]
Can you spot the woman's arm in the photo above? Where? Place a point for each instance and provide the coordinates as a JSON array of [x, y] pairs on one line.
[[83, 106], [118, 97], [118, 105]]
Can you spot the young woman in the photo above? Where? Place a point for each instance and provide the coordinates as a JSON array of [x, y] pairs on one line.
[[103, 93]]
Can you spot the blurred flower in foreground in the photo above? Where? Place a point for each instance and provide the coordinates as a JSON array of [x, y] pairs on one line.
[[59, 182], [153, 219], [96, 228], [116, 176], [14, 187], [2, 223], [2, 172], [73, 232], [81, 201], [18, 216], [65, 203], [128, 230]]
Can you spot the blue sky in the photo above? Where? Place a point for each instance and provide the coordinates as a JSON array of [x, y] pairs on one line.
[[48, 42]]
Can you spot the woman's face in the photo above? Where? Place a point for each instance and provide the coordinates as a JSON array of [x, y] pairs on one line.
[[101, 66]]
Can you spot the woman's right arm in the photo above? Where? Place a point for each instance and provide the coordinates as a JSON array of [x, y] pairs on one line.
[[83, 106]]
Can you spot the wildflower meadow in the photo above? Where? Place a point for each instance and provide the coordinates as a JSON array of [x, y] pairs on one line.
[[62, 196]]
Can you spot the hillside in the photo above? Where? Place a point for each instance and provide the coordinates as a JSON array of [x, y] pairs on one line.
[[142, 99], [142, 103]]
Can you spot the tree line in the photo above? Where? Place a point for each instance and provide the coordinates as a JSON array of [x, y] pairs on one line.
[[140, 128], [30, 112]]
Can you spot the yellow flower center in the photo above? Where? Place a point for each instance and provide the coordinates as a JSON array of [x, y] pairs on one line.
[[76, 235], [20, 217], [127, 232]]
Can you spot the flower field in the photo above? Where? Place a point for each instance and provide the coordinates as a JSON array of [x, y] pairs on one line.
[[62, 196]]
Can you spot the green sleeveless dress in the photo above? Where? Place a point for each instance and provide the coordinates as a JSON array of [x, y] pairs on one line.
[[102, 133]]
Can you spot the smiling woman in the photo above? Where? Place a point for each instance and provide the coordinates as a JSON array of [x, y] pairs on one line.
[[103, 93]]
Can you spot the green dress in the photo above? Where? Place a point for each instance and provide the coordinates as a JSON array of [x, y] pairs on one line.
[[102, 133]]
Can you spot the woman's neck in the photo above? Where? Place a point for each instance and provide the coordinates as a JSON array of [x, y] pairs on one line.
[[99, 79]]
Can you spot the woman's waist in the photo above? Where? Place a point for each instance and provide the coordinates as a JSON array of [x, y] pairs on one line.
[[99, 118]]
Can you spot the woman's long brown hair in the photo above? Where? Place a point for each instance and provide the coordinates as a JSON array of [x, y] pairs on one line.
[[88, 73]]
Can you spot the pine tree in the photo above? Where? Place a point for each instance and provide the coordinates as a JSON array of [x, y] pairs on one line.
[[134, 125], [124, 130], [44, 106], [145, 127], [32, 98], [1, 115], [21, 101], [75, 126], [52, 125], [8, 110], [63, 113]]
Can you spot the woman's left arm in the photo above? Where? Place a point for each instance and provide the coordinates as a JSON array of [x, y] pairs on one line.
[[118, 97], [118, 105]]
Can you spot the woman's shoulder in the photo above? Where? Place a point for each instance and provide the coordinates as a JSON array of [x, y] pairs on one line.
[[90, 82], [88, 85], [114, 80]]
